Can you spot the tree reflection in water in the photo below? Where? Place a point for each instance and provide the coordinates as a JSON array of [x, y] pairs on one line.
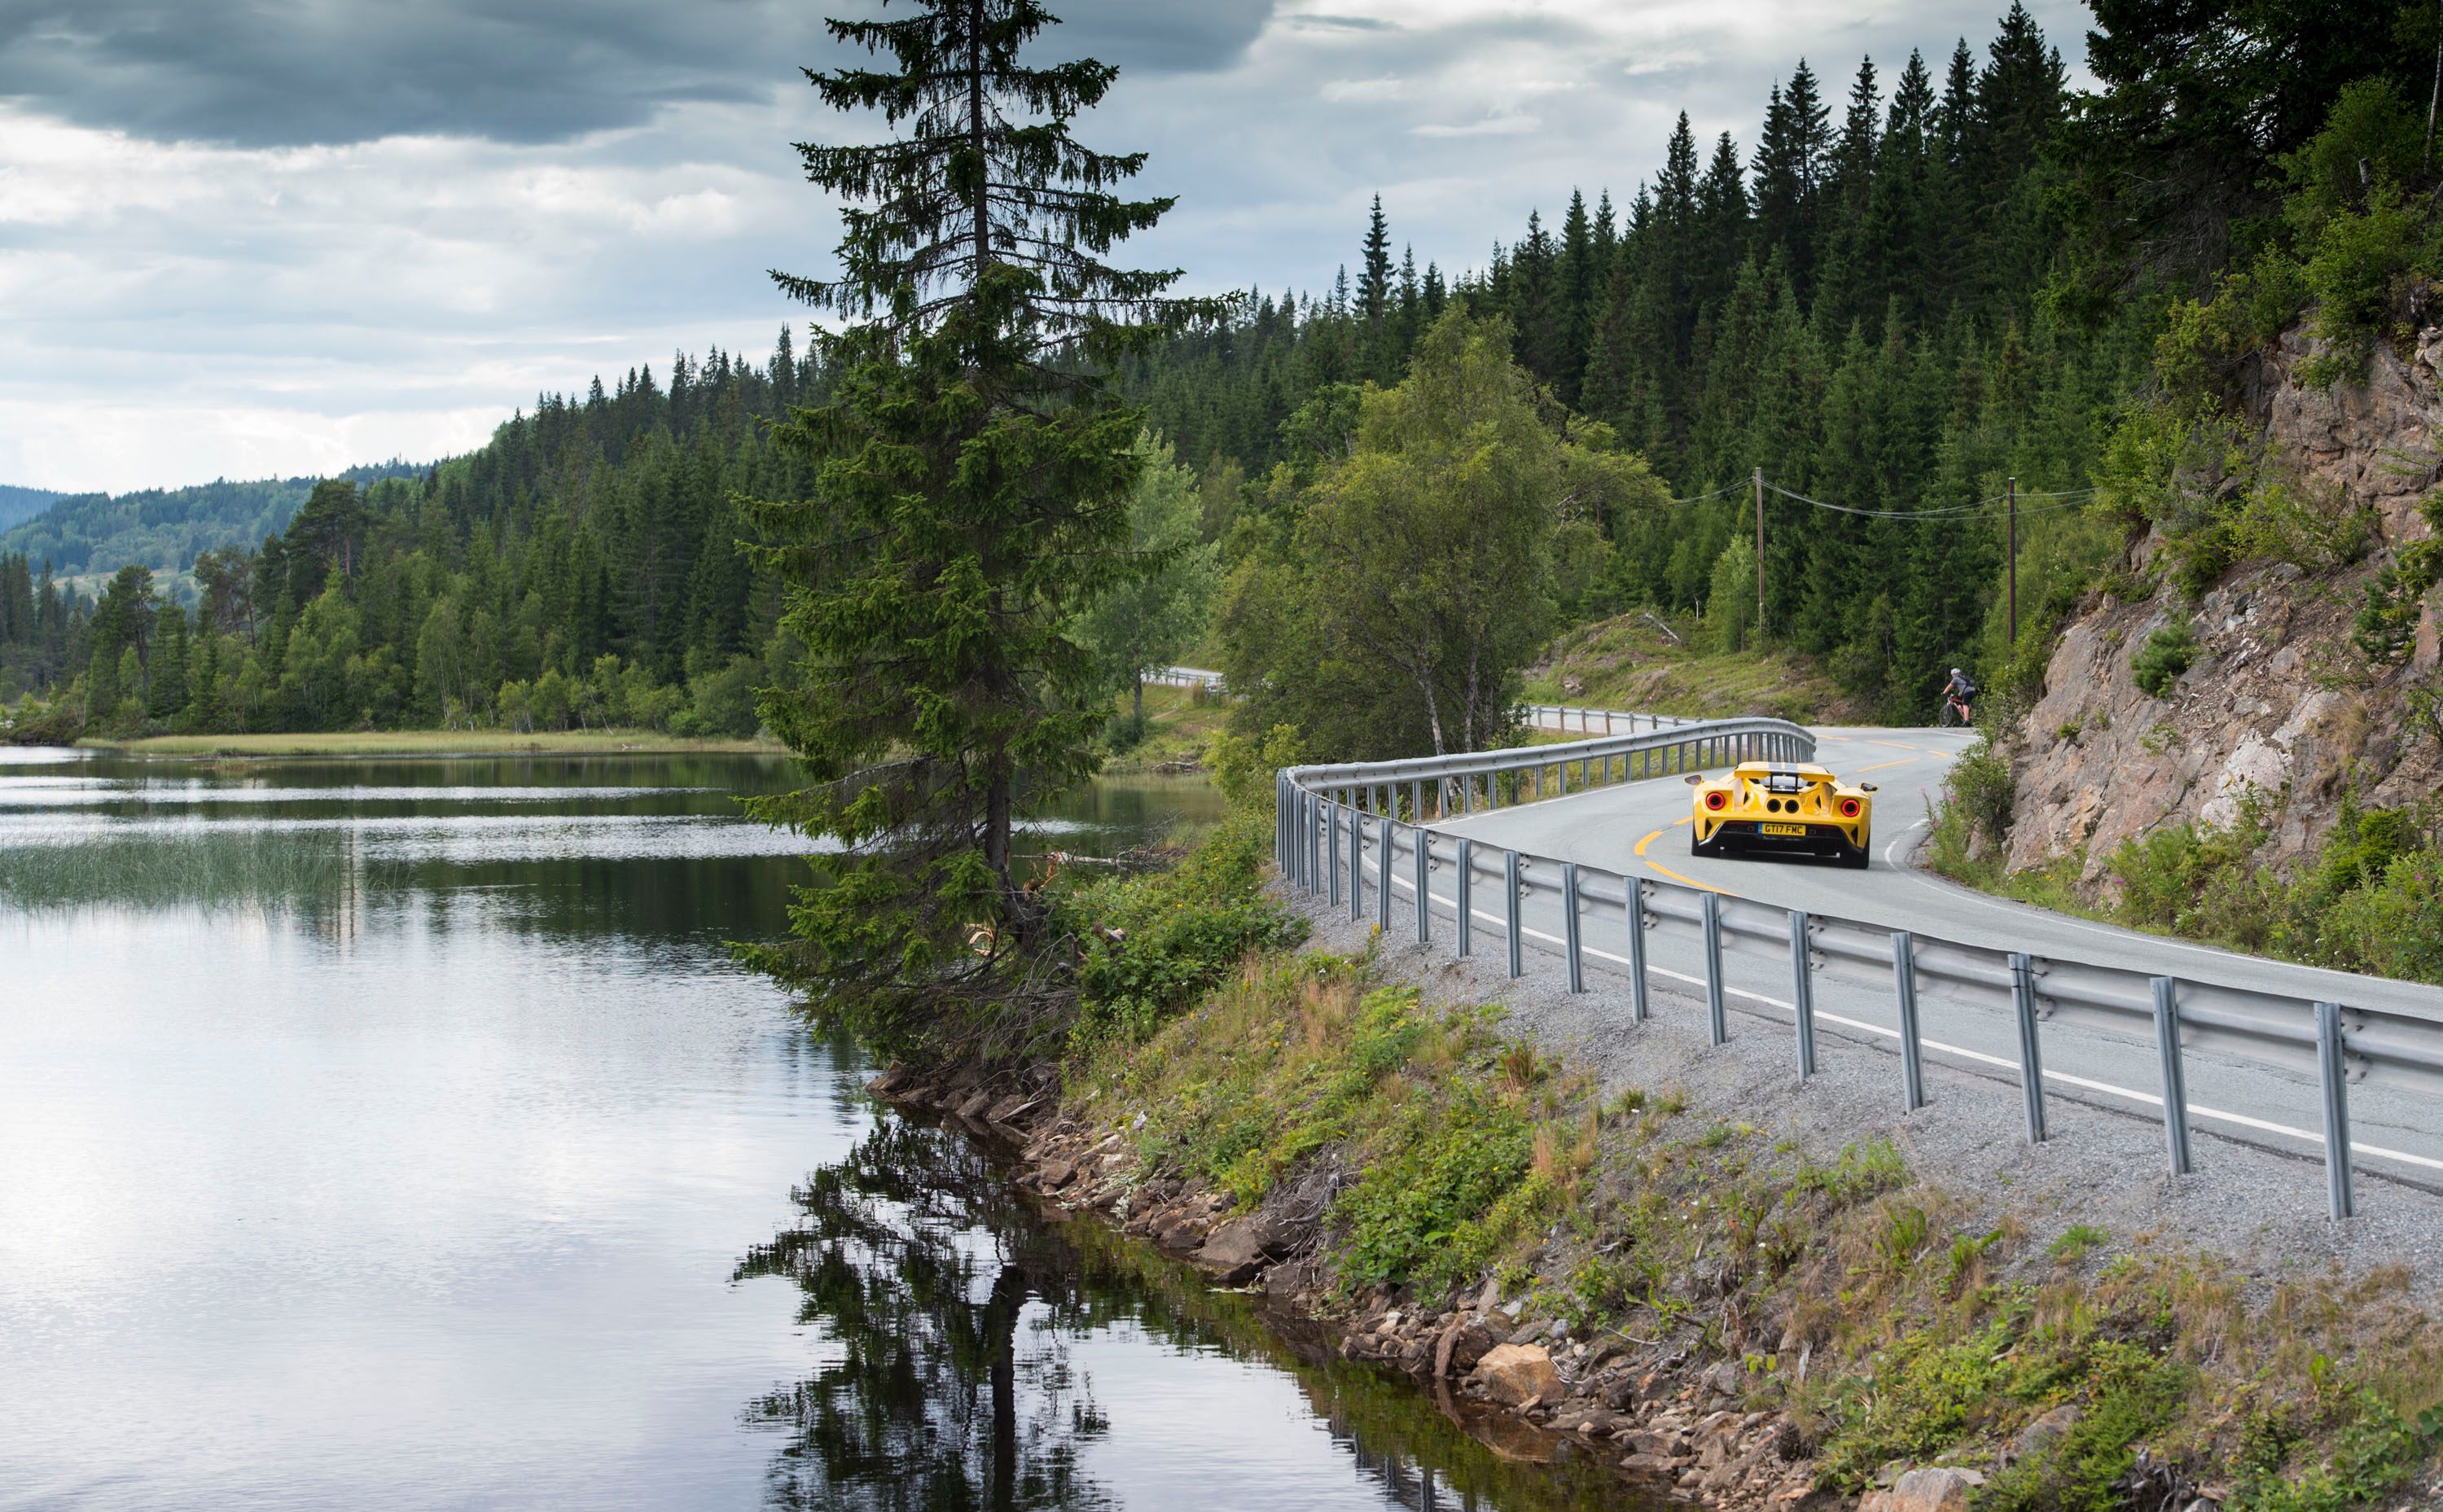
[[945, 1303], [917, 1264]]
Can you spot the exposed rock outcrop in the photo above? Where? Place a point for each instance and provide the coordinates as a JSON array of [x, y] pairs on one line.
[[2278, 699]]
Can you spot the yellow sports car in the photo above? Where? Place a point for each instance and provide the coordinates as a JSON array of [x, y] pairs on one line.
[[1782, 807]]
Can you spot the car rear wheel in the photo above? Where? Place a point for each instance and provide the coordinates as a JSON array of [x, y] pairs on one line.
[[1856, 857]]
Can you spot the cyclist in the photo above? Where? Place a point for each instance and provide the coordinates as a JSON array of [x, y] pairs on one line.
[[1959, 692]]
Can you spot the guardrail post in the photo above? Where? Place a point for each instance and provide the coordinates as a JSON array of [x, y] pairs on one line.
[[1297, 839], [1331, 851], [1561, 774], [1904, 984], [1383, 874], [2333, 1070], [1466, 886], [1710, 905], [1510, 910], [2032, 1060], [1634, 897], [1417, 801], [1570, 925], [1312, 842], [1802, 992], [1356, 865], [2176, 1089], [1425, 899]]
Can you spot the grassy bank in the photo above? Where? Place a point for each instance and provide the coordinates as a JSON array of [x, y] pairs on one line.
[[2369, 899], [1669, 1262], [1179, 728], [426, 743], [1632, 662]]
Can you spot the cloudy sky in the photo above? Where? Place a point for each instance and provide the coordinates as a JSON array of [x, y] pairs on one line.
[[252, 237]]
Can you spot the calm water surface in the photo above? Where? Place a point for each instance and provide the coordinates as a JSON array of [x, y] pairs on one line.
[[398, 1134]]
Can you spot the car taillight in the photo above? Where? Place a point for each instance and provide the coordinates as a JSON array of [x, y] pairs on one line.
[[1717, 800], [1849, 808]]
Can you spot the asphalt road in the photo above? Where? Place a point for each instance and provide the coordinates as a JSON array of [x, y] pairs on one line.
[[1642, 828]]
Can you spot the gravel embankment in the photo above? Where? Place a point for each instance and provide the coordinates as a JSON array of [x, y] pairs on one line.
[[2258, 1206]]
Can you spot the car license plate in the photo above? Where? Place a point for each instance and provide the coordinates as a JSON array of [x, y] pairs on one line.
[[1795, 831]]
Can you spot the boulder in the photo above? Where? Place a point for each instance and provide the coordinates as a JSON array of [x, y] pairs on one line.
[[2044, 1432], [1514, 1375], [1935, 1488], [1234, 1253]]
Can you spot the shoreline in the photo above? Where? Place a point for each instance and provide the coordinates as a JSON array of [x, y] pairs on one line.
[[424, 745], [1649, 1428]]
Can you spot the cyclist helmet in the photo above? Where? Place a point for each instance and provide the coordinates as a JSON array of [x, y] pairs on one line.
[[1955, 671]]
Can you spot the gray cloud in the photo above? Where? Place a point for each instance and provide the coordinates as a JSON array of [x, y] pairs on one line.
[[286, 73]]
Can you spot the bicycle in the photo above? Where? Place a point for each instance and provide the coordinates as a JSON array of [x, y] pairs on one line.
[[1954, 712]]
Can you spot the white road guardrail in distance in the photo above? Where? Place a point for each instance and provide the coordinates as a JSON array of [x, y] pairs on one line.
[[1542, 717], [1360, 834]]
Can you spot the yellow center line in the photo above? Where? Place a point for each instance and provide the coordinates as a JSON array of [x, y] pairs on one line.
[[1690, 881], [1667, 871], [1880, 765], [1898, 746]]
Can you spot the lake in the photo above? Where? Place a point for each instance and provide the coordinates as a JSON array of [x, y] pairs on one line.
[[400, 1134]]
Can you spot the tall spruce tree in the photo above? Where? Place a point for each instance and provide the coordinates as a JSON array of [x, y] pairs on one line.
[[969, 497]]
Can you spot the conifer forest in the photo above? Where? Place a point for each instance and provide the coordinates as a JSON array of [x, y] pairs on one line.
[[1923, 294]]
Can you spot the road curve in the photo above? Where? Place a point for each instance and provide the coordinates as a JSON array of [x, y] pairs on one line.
[[1641, 828]]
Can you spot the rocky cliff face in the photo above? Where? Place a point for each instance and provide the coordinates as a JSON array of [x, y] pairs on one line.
[[2278, 699]]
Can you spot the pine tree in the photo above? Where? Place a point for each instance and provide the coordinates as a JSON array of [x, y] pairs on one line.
[[971, 497], [1580, 287], [1374, 270]]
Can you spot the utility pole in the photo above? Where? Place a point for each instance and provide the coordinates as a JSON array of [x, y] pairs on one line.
[[2014, 565], [1759, 498]]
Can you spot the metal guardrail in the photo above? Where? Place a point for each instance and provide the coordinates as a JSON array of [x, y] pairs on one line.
[[1542, 717], [1344, 826], [1557, 718]]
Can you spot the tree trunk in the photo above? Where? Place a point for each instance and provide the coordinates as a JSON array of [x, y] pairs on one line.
[[983, 203], [1139, 699], [1000, 1324]]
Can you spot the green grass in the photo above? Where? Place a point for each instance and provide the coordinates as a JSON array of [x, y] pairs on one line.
[[1180, 727], [425, 743], [1624, 663]]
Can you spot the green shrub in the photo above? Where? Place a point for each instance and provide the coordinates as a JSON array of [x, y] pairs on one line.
[[2359, 267], [1419, 1213], [1125, 733], [2134, 1395], [2165, 655], [2376, 1454], [1152, 945], [1981, 785], [2392, 927]]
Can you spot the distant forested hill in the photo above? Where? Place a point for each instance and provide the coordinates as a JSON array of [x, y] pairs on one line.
[[17, 503], [162, 528], [581, 567]]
